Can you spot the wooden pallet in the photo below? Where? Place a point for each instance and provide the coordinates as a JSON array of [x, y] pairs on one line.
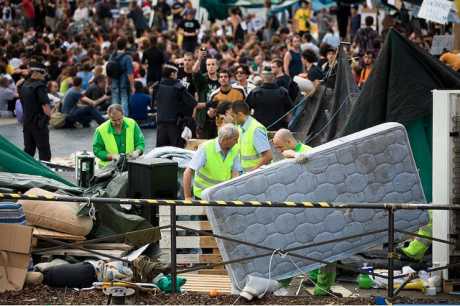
[[206, 283], [187, 244]]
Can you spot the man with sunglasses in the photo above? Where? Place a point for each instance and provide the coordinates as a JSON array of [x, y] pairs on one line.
[[242, 75]]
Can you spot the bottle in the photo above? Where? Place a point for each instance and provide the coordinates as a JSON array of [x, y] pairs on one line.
[[364, 279]]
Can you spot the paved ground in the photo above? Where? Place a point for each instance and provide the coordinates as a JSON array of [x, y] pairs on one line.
[[64, 142]]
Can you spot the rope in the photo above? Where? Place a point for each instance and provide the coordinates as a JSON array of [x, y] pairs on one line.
[[92, 209], [314, 283], [330, 119], [287, 113]]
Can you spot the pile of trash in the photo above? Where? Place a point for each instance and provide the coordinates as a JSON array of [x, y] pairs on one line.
[[80, 245]]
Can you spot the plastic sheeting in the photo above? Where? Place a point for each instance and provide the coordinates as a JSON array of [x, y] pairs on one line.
[[24, 182], [14, 160]]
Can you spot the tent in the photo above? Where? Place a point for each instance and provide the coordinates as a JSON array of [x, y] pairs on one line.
[[398, 90], [326, 112], [218, 9], [14, 160]]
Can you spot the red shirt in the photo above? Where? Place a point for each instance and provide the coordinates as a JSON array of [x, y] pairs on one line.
[[29, 9]]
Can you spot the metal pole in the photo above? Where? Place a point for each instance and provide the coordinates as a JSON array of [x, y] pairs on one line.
[[201, 203], [391, 234], [173, 249]]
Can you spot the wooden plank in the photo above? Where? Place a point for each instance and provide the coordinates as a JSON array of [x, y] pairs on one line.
[[109, 246], [206, 283], [81, 253], [193, 144], [193, 258], [46, 233], [451, 285], [215, 271], [188, 242], [198, 225], [183, 210]]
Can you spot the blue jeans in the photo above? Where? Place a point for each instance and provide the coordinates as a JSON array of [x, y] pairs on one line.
[[120, 95]]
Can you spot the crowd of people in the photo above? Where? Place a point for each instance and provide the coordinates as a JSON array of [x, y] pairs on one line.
[[81, 63], [167, 69]]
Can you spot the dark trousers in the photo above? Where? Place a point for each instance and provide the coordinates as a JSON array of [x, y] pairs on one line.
[[168, 134], [37, 138], [84, 115]]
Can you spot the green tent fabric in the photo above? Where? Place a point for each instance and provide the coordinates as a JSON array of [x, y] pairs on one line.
[[420, 132], [218, 9], [14, 160]]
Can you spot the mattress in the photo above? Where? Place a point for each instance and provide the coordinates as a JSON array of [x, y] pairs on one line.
[[372, 166]]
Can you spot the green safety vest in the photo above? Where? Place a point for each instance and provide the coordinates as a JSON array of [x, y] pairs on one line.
[[109, 140], [302, 148], [249, 156], [216, 170]]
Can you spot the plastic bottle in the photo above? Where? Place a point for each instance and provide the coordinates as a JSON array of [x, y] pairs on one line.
[[364, 280]]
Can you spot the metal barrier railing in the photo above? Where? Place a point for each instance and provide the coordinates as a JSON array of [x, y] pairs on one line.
[[389, 207]]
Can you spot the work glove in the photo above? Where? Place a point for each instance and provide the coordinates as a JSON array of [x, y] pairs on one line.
[[135, 154], [114, 157]]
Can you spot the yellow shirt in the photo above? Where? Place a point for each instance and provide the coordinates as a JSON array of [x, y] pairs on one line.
[[302, 17], [9, 69]]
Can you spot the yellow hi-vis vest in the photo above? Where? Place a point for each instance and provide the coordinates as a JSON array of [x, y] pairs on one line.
[[249, 156], [109, 140], [216, 169]]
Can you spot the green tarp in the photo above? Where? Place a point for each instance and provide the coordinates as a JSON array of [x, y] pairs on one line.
[[399, 89], [14, 160], [219, 9]]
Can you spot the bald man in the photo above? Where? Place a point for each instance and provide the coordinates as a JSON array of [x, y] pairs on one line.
[[287, 145], [323, 277]]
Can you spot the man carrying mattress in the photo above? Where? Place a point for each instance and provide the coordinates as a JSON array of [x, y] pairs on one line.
[[118, 135], [286, 144], [255, 148], [216, 161]]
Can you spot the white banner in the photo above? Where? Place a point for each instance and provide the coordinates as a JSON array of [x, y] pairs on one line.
[[435, 10]]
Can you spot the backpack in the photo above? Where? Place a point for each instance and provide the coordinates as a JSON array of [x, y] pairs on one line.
[[114, 69], [57, 119]]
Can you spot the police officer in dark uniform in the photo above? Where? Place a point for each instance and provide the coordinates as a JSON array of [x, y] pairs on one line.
[[36, 108], [174, 103]]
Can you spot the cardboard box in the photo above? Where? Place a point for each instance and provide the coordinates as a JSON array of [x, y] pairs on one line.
[[15, 244]]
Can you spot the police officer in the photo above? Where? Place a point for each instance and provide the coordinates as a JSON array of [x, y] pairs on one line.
[[36, 108], [118, 135], [217, 160], [173, 102], [254, 148], [287, 145]]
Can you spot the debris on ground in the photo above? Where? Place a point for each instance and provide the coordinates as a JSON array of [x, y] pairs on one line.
[[47, 295]]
